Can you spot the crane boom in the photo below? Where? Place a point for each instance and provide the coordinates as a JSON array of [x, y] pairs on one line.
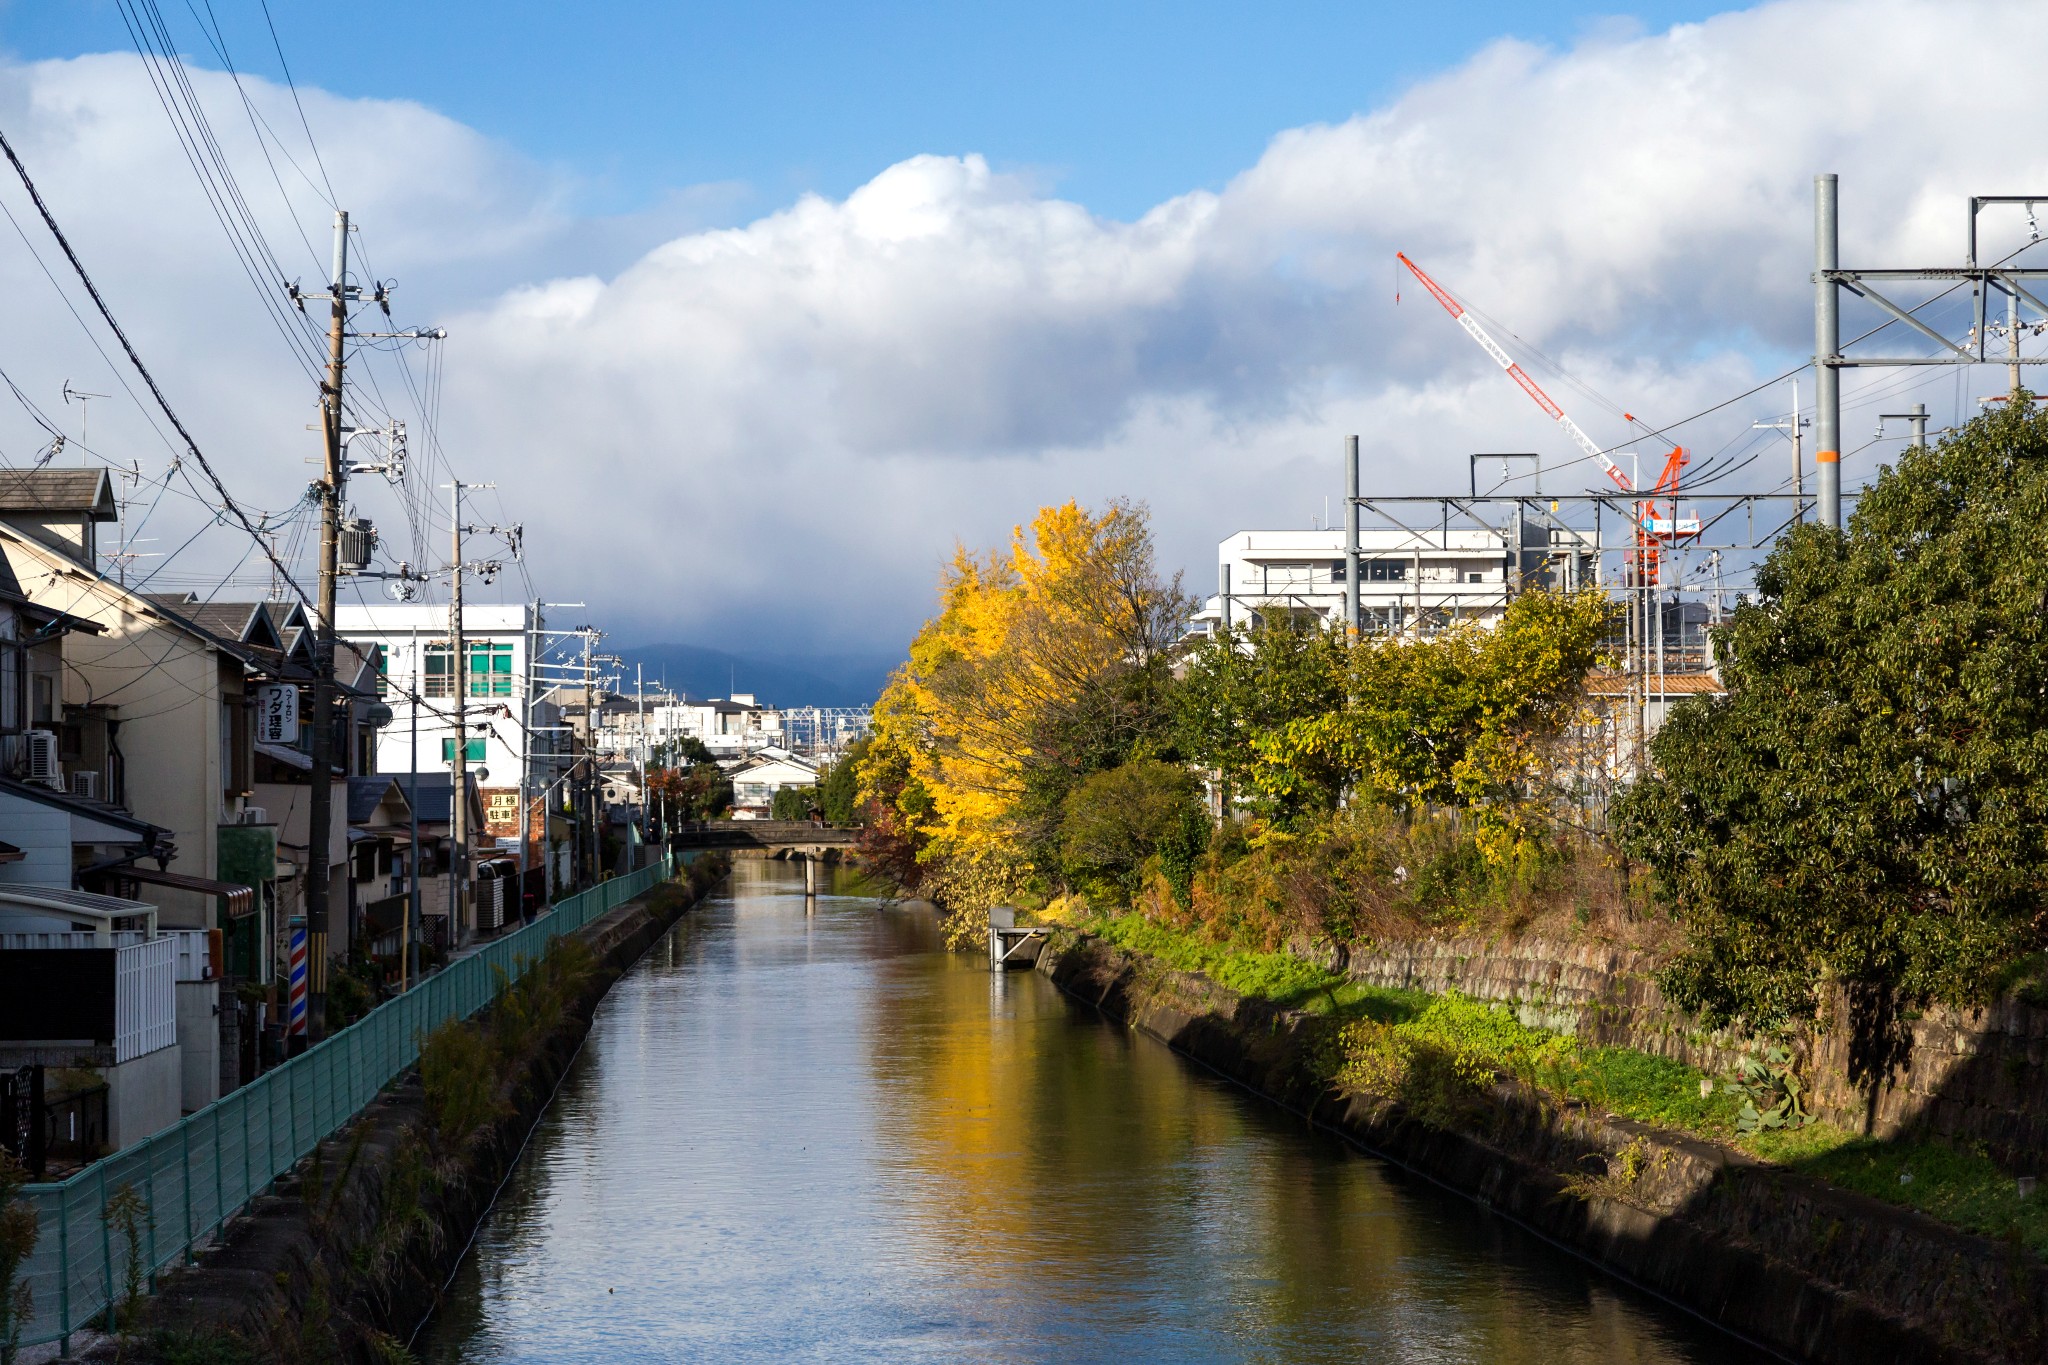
[[1519, 375]]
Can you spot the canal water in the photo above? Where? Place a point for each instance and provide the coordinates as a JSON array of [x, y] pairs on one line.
[[807, 1133]]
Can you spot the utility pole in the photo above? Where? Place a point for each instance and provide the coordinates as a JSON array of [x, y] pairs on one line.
[[526, 757], [458, 667], [589, 820], [640, 741], [1792, 426], [320, 808], [1351, 537], [2012, 344], [1827, 349], [409, 937]]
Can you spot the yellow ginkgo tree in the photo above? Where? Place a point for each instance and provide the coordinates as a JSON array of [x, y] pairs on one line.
[[1044, 663]]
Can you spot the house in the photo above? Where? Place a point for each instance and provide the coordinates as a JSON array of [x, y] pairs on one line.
[[379, 854], [756, 780], [1437, 576], [151, 711], [433, 808]]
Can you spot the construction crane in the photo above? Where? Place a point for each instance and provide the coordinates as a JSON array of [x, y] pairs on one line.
[[1652, 531]]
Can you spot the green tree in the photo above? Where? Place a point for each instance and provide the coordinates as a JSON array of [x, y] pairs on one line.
[[1454, 719], [839, 786], [1249, 681], [1112, 822], [1868, 805], [793, 803]]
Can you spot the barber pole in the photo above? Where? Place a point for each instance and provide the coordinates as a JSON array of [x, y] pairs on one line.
[[298, 999]]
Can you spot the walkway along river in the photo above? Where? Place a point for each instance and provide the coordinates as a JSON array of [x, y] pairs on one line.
[[810, 1134]]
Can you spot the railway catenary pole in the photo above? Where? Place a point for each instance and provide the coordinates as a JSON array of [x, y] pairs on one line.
[[1827, 350], [1351, 608]]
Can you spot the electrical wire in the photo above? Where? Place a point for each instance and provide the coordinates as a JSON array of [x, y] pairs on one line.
[[191, 445]]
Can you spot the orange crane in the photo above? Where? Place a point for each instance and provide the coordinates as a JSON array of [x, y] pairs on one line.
[[1653, 532]]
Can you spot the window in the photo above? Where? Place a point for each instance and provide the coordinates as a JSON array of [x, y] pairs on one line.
[[382, 658], [1387, 571], [472, 750], [440, 682], [490, 671]]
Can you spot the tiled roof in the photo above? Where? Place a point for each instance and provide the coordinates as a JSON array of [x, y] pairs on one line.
[[78, 491]]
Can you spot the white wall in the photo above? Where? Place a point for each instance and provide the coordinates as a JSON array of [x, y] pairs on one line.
[[198, 1044], [144, 1095], [44, 834]]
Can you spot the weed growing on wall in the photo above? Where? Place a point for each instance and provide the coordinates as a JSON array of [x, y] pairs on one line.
[[18, 1235]]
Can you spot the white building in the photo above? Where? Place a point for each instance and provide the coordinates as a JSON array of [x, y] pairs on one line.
[[728, 726], [755, 781], [513, 729], [1439, 576]]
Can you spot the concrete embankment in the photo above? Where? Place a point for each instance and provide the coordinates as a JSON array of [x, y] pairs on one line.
[[1803, 1269], [346, 1257]]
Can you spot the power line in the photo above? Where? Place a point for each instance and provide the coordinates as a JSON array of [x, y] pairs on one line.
[[191, 445]]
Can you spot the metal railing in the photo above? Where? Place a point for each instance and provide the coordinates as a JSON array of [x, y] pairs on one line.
[[195, 1175]]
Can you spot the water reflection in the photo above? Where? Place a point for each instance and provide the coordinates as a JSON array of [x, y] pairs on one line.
[[815, 1136]]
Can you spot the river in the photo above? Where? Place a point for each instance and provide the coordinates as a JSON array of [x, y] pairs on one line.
[[808, 1133]]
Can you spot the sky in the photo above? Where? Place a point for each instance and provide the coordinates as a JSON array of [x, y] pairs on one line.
[[753, 312]]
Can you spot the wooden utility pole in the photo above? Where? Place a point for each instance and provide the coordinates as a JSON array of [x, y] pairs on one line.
[[320, 809]]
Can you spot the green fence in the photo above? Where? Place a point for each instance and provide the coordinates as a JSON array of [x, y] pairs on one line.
[[200, 1172]]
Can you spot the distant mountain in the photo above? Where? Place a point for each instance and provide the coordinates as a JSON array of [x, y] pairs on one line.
[[807, 680]]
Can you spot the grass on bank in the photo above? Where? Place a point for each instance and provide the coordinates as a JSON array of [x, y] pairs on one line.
[[1432, 1051]]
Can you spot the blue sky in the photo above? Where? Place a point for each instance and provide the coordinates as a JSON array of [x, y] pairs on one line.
[[803, 296], [1116, 105]]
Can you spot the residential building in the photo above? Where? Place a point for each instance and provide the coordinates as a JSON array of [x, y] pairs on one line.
[[757, 778], [728, 726], [1439, 577], [515, 737]]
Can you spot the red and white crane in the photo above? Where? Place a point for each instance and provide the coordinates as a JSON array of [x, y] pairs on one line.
[[1652, 531]]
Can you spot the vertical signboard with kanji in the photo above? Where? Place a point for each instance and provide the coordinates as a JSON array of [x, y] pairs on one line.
[[277, 714]]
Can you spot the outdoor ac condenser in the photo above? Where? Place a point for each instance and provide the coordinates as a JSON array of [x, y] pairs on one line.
[[43, 766], [86, 784]]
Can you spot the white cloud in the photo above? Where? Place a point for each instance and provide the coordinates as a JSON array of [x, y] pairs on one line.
[[783, 426]]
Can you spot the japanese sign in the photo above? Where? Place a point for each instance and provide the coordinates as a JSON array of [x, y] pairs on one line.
[[277, 714]]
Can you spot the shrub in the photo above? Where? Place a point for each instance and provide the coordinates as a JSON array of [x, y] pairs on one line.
[[1116, 820], [18, 1234], [459, 1074]]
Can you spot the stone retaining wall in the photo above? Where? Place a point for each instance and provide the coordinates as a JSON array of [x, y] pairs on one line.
[[1977, 1075]]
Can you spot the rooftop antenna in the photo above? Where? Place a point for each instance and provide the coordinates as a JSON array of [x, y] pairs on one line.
[[84, 413]]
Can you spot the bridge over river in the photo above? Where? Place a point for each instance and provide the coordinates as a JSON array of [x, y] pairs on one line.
[[768, 838]]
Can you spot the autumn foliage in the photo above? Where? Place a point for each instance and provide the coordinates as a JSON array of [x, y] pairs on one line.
[[1047, 737]]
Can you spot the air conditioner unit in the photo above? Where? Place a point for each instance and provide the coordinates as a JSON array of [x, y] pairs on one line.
[[86, 784], [255, 815], [42, 759]]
